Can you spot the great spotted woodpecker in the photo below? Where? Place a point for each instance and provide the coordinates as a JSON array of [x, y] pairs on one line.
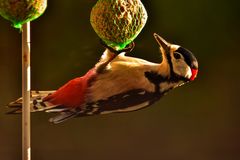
[[117, 83]]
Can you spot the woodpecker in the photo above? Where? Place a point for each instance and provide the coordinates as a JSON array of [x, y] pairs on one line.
[[117, 83]]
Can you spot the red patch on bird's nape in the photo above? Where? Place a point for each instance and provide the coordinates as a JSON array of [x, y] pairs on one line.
[[73, 93], [194, 74]]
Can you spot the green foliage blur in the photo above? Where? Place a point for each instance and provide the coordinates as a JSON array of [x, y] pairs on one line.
[[198, 121]]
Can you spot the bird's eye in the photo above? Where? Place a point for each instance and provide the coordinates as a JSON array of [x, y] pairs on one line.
[[177, 55]]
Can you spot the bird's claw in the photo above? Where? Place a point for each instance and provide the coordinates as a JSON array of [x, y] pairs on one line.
[[127, 49]]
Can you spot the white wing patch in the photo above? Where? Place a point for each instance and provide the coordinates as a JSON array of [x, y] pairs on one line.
[[129, 109]]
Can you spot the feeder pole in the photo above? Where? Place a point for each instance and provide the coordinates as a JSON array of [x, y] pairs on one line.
[[26, 89]]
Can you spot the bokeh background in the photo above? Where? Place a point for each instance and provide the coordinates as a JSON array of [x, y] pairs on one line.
[[199, 121]]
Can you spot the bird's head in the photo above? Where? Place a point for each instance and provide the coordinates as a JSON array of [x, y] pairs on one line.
[[181, 62]]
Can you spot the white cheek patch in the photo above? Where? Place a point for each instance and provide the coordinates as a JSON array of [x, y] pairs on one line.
[[181, 68], [188, 73]]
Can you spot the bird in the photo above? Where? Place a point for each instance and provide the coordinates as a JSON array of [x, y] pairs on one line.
[[117, 83]]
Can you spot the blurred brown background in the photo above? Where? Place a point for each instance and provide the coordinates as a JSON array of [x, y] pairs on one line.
[[199, 121]]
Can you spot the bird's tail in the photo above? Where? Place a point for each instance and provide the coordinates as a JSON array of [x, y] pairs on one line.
[[36, 103]]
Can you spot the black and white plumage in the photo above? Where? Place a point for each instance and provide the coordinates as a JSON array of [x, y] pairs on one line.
[[118, 83]]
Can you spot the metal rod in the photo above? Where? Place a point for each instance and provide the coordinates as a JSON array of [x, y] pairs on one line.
[[26, 89]]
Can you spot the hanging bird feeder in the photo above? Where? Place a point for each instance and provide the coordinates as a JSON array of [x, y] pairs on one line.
[[20, 13], [118, 22]]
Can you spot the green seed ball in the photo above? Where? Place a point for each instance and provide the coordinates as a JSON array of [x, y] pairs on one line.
[[22, 11], [118, 22]]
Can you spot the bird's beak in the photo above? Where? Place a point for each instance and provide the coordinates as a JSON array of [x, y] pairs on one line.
[[162, 42]]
